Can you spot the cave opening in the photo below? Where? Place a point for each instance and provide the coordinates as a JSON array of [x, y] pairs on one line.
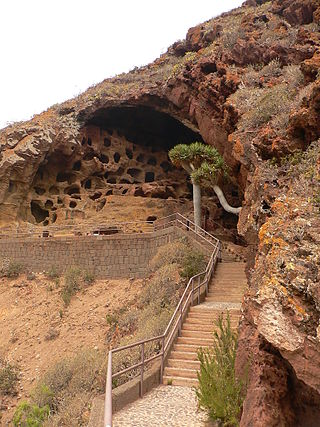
[[38, 212], [120, 150], [145, 126]]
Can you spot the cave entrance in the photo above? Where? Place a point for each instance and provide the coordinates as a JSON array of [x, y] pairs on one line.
[[145, 126], [122, 151]]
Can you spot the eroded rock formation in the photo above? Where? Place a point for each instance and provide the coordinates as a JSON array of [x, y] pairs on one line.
[[248, 83]]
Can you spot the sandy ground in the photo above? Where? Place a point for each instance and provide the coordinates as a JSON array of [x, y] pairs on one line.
[[31, 309]]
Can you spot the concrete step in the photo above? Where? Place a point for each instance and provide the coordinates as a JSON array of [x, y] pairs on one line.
[[200, 342], [180, 372], [218, 293], [199, 334], [232, 287], [184, 382], [226, 298], [188, 326], [183, 364], [228, 282], [236, 266], [203, 323], [201, 311], [189, 348], [231, 274], [211, 313], [184, 355]]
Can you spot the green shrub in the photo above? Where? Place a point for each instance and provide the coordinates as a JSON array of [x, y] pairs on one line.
[[53, 273], [66, 387], [220, 392], [74, 280], [42, 396], [162, 288], [71, 284], [171, 253], [88, 277], [4, 264], [14, 269], [192, 264], [180, 255], [281, 92], [28, 415], [8, 379]]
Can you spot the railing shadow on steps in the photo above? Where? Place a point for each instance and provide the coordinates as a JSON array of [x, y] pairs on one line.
[[195, 288]]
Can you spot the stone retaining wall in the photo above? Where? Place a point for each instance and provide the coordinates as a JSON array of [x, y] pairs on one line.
[[116, 256]]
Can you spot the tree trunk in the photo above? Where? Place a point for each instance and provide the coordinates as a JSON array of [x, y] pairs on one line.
[[197, 204], [224, 202]]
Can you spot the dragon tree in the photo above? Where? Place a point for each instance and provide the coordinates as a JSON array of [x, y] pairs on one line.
[[205, 166]]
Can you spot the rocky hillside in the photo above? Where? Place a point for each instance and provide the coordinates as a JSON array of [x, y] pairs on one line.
[[248, 83]]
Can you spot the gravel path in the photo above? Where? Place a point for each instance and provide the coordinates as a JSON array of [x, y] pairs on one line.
[[164, 406]]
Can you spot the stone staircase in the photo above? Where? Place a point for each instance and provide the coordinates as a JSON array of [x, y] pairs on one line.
[[225, 294], [226, 290]]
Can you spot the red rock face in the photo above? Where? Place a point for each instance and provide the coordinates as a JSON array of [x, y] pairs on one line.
[[247, 83], [296, 12]]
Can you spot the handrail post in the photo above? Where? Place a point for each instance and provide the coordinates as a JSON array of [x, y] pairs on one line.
[[142, 370], [192, 299], [162, 360], [180, 323], [108, 398], [199, 290]]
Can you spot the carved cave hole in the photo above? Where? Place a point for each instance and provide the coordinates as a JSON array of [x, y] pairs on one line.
[[135, 173], [72, 190], [101, 205], [140, 158], [88, 184], [48, 204], [129, 153], [40, 191], [166, 166], [104, 159], [11, 186], [152, 161], [38, 212], [72, 204], [107, 142], [54, 190], [95, 196], [149, 177], [63, 176], [77, 165], [116, 157]]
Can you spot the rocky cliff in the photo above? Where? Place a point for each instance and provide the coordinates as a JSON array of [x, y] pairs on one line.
[[247, 82]]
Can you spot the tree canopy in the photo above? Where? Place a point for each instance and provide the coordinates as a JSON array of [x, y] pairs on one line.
[[203, 162]]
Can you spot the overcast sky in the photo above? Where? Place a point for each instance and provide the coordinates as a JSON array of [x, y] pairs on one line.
[[52, 50]]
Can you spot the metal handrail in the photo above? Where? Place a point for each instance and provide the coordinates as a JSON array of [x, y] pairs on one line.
[[175, 324]]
